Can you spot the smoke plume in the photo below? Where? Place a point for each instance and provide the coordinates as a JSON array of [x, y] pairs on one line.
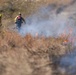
[[53, 21], [68, 64], [49, 21]]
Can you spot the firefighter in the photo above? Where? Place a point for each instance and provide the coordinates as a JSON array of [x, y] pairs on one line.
[[19, 20]]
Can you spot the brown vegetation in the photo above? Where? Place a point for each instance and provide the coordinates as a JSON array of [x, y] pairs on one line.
[[30, 55]]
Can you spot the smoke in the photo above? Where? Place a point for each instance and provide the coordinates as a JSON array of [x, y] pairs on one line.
[[68, 64], [54, 21], [49, 21]]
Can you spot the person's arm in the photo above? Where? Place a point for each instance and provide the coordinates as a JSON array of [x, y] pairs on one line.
[[23, 20]]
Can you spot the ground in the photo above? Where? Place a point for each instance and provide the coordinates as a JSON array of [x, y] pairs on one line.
[[27, 56], [31, 55]]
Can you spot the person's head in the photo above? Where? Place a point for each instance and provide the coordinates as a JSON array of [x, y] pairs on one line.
[[19, 14]]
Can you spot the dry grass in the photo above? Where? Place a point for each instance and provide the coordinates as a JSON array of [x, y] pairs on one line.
[[29, 55], [10, 8], [13, 39]]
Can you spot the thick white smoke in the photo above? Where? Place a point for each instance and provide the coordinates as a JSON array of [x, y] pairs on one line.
[[47, 22], [50, 21]]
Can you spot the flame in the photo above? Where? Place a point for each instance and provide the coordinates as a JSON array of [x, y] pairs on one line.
[[65, 42], [68, 37]]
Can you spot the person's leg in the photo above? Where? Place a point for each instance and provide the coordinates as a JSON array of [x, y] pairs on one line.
[[19, 26]]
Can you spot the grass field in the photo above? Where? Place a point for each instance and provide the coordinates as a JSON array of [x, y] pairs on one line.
[[30, 55]]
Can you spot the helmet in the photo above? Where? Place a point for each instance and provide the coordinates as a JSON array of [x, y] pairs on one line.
[[19, 13]]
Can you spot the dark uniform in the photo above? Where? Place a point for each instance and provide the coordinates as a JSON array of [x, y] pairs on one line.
[[18, 21]]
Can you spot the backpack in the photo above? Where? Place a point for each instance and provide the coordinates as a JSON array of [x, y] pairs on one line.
[[19, 18]]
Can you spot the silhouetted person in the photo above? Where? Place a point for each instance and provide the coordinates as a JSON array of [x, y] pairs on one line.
[[19, 20]]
